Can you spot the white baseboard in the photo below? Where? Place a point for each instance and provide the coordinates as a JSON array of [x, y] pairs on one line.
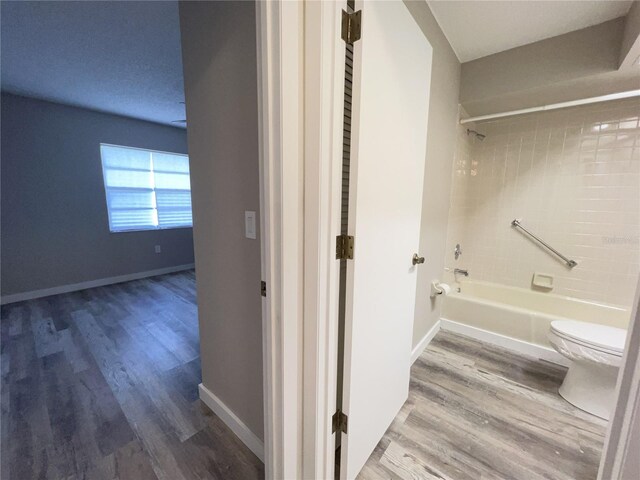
[[509, 343], [232, 421], [422, 344], [101, 282]]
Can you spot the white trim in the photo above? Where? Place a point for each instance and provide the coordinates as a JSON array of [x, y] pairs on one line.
[[280, 75], [555, 106], [619, 457], [424, 343], [100, 282], [514, 344], [232, 421], [323, 116]]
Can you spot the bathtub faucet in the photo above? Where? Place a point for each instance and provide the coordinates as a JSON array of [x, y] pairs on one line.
[[457, 271]]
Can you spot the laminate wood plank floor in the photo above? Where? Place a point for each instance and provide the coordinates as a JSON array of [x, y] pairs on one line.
[[103, 384], [480, 412]]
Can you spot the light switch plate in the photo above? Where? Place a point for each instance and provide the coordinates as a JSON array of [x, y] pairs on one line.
[[250, 224]]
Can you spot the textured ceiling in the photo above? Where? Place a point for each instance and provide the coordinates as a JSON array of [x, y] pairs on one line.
[[479, 28], [116, 57]]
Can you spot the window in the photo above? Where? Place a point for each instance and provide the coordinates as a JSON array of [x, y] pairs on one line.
[[145, 189]]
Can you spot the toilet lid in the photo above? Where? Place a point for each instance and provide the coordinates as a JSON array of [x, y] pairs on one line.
[[599, 336]]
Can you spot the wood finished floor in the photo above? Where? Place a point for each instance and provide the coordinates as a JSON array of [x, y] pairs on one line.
[[479, 412], [103, 384]]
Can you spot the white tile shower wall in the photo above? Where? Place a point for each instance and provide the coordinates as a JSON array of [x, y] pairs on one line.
[[573, 177]]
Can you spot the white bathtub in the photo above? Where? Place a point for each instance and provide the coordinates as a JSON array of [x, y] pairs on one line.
[[518, 318]]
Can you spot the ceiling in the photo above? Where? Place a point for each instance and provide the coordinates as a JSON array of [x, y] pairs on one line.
[[116, 57], [479, 28]]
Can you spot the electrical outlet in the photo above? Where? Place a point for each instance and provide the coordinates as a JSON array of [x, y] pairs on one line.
[[158, 249]]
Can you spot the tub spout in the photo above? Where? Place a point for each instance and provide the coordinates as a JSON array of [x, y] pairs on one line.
[[460, 271]]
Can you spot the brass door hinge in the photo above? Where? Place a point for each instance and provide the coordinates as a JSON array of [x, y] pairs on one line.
[[351, 26], [339, 422], [263, 288], [344, 247]]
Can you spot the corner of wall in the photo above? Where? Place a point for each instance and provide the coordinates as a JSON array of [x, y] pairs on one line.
[[220, 77], [441, 142]]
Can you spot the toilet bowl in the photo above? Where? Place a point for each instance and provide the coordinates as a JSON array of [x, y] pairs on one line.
[[595, 352]]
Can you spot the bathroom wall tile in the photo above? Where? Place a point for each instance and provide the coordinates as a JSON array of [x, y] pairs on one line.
[[573, 177]]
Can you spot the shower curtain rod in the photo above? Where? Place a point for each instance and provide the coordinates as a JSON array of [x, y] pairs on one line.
[[554, 106]]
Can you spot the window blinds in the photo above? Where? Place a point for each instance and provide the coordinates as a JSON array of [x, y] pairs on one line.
[[146, 189]]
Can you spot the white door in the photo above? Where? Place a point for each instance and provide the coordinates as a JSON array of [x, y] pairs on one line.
[[392, 72]]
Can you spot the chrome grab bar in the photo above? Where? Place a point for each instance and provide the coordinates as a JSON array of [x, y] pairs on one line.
[[570, 263]]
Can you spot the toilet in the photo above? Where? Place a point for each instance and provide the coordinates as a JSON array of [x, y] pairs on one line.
[[595, 352]]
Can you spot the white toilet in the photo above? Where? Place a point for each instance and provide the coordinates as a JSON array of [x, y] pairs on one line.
[[595, 352]]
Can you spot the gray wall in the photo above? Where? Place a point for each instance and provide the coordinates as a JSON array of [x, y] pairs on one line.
[[55, 228], [576, 65], [581, 53], [629, 47], [219, 58], [441, 143]]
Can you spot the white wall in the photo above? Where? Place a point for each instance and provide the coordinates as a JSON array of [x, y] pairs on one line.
[[219, 55], [441, 142], [573, 176]]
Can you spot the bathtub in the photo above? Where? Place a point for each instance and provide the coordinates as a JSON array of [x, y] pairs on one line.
[[517, 318]]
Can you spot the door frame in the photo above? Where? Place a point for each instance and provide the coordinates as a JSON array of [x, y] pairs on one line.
[[281, 219], [324, 66], [625, 420], [300, 93]]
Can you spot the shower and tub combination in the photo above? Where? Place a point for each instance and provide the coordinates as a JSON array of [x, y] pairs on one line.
[[550, 283]]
